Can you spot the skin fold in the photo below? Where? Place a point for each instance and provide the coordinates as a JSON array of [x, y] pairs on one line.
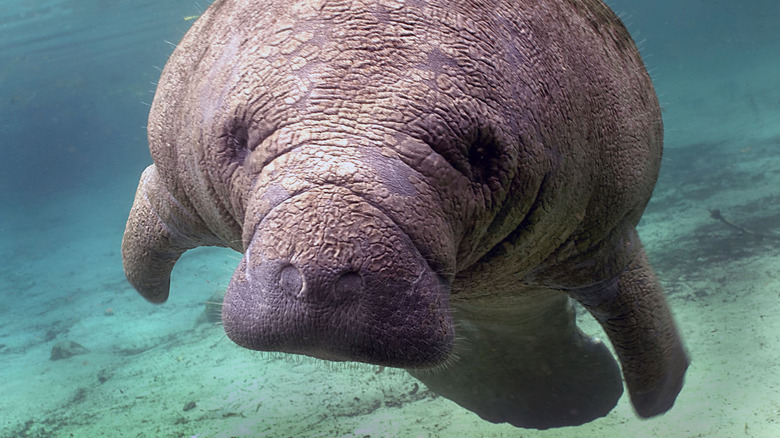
[[426, 185]]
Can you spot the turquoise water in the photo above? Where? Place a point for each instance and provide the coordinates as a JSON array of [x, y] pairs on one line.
[[76, 81]]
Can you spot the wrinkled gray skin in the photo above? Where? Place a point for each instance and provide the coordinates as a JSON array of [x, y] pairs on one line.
[[423, 185]]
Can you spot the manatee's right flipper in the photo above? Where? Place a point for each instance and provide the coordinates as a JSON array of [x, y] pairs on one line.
[[158, 232], [633, 311]]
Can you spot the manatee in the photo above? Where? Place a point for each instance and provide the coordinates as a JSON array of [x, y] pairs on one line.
[[427, 185]]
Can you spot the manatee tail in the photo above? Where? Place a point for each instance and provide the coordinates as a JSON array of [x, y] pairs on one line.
[[633, 311], [528, 365], [157, 233]]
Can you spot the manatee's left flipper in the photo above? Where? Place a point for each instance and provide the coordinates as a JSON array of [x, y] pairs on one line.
[[633, 311], [160, 228]]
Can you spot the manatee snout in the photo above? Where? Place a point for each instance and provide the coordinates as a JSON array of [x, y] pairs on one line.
[[328, 275]]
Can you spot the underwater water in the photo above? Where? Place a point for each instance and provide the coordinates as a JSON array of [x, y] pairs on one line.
[[76, 81]]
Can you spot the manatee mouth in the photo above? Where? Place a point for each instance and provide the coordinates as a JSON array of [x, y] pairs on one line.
[[330, 276]]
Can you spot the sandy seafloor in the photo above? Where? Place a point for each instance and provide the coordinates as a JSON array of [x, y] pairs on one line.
[[62, 280]]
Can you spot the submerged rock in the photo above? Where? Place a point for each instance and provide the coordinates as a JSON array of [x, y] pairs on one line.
[[66, 349]]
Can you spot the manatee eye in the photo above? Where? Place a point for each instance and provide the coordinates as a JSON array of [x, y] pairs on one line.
[[488, 160], [234, 143], [478, 152]]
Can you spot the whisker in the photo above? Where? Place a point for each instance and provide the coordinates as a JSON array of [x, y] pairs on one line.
[[221, 338]]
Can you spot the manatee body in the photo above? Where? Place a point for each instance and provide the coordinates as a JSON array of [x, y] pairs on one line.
[[426, 185]]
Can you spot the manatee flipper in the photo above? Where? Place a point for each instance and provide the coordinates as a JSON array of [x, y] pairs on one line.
[[532, 368], [159, 230], [633, 311]]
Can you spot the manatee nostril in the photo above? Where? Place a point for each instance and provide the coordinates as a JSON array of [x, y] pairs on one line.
[[347, 285], [290, 280]]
